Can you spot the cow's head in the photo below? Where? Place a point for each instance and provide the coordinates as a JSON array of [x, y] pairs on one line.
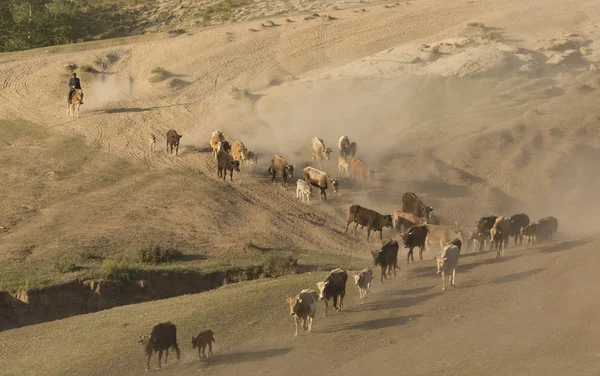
[[325, 152], [388, 220], [144, 340], [428, 210], [375, 254], [290, 171], [335, 183], [234, 165], [356, 279], [195, 341], [321, 287], [253, 158], [441, 259], [457, 242], [294, 303], [308, 189]]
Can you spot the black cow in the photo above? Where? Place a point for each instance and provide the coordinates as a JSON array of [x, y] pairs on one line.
[[484, 225], [415, 237], [162, 338], [516, 222], [333, 286], [386, 258]]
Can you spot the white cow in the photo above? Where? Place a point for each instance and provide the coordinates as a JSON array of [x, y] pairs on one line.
[[303, 190], [319, 150], [363, 281], [447, 262]]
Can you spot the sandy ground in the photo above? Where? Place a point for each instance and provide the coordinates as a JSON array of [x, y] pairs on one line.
[[477, 120]]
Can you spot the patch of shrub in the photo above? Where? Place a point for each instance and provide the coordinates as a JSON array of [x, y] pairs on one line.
[[121, 271], [176, 32], [88, 69], [276, 266], [159, 74], [66, 266], [158, 255]]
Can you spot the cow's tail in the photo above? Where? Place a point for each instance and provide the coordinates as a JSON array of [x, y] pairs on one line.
[[213, 339], [270, 167]]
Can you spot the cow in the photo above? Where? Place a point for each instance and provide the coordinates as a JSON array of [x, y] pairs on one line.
[[360, 169], [477, 238], [215, 142], [484, 225], [152, 142], [303, 190], [319, 179], [173, 141], [447, 261], [516, 222], [343, 166], [497, 240], [363, 282], [162, 338], [206, 337], [548, 227], [346, 147], [457, 242], [368, 218], [225, 162], [415, 237], [282, 167], [333, 286], [529, 233], [387, 259], [224, 147], [503, 224], [319, 150], [303, 307], [413, 204], [239, 151], [441, 235], [404, 221], [252, 160]]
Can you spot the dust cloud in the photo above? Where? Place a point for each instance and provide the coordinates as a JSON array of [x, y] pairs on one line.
[[101, 93]]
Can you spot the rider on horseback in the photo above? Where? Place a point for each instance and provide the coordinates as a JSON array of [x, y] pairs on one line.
[[74, 84]]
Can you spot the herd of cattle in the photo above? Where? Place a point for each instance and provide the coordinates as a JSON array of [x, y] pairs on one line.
[[415, 225]]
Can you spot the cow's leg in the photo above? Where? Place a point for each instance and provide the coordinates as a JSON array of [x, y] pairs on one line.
[[296, 319], [420, 253], [210, 347], [443, 281], [410, 251], [199, 353], [347, 225], [177, 150], [231, 174], [326, 306], [355, 228], [368, 232], [453, 277], [382, 273], [148, 363], [166, 357], [159, 359], [310, 322], [381, 235], [324, 194]]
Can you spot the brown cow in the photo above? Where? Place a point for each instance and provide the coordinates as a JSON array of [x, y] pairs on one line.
[[319, 151], [529, 233], [404, 221], [173, 141], [360, 169], [225, 162], [280, 166], [204, 338], [239, 151], [441, 235], [215, 142], [319, 179], [368, 218], [413, 204]]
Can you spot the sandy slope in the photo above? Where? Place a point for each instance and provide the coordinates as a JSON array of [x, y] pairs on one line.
[[494, 120]]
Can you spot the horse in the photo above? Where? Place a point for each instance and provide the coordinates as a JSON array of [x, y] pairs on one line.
[[74, 103]]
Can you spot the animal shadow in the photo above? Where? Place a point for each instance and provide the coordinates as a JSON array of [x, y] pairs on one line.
[[247, 356]]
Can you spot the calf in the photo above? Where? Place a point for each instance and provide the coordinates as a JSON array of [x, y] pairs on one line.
[[530, 234], [333, 286], [387, 259], [303, 190], [225, 162], [215, 142], [303, 307], [363, 281], [497, 240], [152, 142], [360, 169], [204, 338], [343, 166], [282, 167], [252, 160], [503, 225], [415, 237], [477, 238], [369, 218], [319, 179], [173, 141], [162, 338], [447, 262], [319, 151]]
